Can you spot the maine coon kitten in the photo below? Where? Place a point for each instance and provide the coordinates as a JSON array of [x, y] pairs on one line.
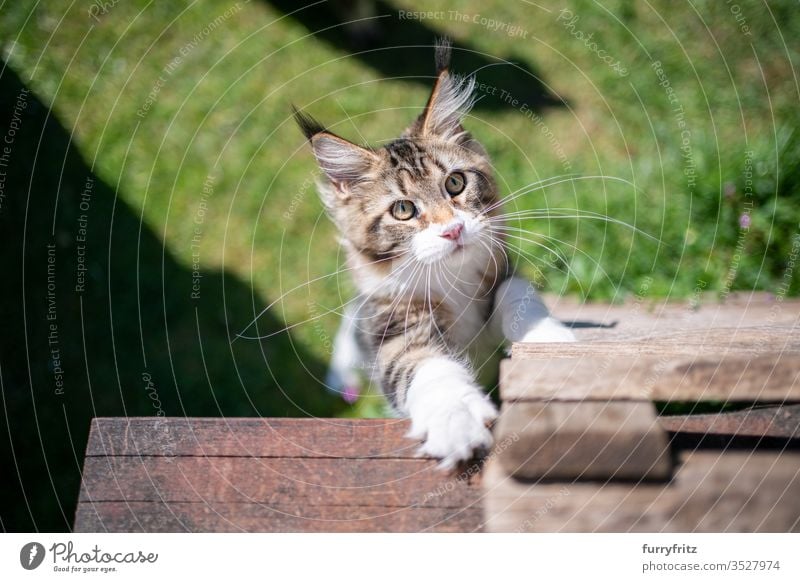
[[435, 292]]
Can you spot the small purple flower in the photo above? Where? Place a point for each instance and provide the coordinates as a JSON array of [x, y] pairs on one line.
[[350, 394], [744, 221], [729, 189]]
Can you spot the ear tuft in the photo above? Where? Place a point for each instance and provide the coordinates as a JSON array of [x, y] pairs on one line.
[[450, 101], [342, 161], [308, 125], [443, 52]]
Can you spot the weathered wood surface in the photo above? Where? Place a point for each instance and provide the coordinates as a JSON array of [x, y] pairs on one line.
[[250, 437], [727, 477], [213, 516], [642, 317], [144, 474], [583, 440], [720, 341], [362, 475], [770, 377], [710, 492], [745, 349], [769, 422]]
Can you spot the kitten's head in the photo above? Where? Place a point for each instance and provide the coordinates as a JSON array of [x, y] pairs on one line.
[[422, 195]]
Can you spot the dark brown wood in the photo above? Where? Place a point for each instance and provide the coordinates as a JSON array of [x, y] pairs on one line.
[[768, 377], [711, 492], [583, 440], [251, 437], [136, 516], [281, 482], [773, 422], [268, 475]]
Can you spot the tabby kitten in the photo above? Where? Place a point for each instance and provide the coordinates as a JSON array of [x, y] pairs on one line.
[[435, 292]]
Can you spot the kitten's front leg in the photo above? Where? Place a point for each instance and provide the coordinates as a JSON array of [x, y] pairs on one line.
[[439, 393], [347, 361], [520, 316]]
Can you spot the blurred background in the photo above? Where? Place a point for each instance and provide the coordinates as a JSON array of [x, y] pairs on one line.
[[156, 198]]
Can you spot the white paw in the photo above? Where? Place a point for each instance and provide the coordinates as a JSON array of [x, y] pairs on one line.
[[548, 330], [449, 412]]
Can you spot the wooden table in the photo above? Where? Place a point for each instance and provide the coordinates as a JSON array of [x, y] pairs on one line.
[[268, 475], [579, 444]]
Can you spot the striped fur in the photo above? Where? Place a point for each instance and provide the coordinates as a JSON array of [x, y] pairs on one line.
[[427, 285]]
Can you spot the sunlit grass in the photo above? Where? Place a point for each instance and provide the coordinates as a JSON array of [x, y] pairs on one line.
[[222, 110]]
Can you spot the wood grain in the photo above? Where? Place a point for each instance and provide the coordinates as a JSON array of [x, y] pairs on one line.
[[711, 492], [716, 341], [641, 317], [251, 437], [156, 474], [282, 482], [144, 474], [770, 377], [770, 422], [135, 516], [583, 440]]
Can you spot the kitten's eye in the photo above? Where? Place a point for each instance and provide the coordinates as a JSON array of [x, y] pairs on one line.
[[455, 183], [403, 209]]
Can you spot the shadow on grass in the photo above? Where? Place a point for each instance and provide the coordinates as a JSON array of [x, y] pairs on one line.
[[132, 342], [403, 47]]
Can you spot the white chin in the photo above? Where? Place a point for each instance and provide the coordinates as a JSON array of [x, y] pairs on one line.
[[431, 256]]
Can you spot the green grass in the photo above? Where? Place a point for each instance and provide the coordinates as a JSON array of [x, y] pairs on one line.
[[223, 111]]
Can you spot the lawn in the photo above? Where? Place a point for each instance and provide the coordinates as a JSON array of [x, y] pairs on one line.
[[653, 149]]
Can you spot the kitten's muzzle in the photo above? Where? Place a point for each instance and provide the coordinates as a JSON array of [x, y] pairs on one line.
[[452, 231]]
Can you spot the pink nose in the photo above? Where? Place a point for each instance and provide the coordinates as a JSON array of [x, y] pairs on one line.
[[452, 231]]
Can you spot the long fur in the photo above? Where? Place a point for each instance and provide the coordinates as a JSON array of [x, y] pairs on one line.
[[434, 289]]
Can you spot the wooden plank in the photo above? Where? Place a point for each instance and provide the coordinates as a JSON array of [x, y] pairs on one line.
[[711, 492], [583, 440], [769, 377], [718, 341], [251, 437], [151, 517], [268, 475], [280, 482], [771, 422], [641, 317]]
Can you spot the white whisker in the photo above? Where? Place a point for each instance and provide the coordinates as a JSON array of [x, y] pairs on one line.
[[241, 335], [580, 214], [542, 184], [573, 247]]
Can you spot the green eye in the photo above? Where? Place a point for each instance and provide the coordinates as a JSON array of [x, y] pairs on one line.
[[403, 209], [455, 183]]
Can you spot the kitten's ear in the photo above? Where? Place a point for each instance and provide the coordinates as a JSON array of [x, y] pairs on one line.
[[451, 99], [342, 161]]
